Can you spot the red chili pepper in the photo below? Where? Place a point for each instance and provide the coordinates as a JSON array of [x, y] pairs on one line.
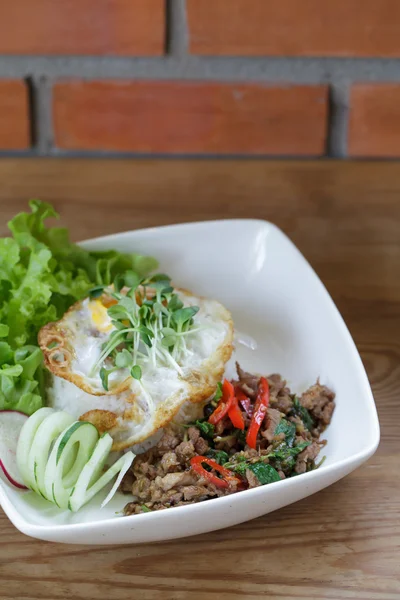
[[196, 464], [225, 403], [244, 401], [260, 410], [235, 415]]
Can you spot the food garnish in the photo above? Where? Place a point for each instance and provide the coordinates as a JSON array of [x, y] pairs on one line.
[[63, 460], [41, 274], [11, 423], [147, 327]]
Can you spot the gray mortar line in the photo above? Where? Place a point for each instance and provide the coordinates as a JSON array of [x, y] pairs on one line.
[[177, 31], [182, 66], [41, 111], [338, 120]]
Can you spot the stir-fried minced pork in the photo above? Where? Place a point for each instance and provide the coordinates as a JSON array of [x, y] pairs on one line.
[[287, 444]]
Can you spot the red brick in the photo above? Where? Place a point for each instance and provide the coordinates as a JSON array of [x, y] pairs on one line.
[[14, 115], [374, 128], [190, 117], [102, 27], [295, 27]]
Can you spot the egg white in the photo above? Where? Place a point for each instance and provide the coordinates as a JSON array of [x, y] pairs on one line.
[[146, 405]]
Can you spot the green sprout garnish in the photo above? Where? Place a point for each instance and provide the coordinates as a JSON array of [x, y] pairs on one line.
[[150, 326]]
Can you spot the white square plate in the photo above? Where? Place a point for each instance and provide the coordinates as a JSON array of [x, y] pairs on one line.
[[276, 298]]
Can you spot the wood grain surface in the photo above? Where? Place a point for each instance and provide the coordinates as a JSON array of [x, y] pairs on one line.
[[342, 543]]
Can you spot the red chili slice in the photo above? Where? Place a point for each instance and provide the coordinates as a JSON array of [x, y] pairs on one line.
[[225, 403], [228, 478], [235, 415], [260, 410]]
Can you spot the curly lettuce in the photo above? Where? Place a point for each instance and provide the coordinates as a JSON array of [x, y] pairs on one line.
[[42, 273]]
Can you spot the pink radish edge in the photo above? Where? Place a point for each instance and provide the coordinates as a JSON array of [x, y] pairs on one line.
[[9, 477], [20, 486]]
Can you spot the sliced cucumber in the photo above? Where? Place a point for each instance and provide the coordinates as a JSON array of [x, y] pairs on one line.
[[63, 460], [125, 462], [46, 434], [90, 473], [88, 484], [25, 440], [68, 457], [81, 495]]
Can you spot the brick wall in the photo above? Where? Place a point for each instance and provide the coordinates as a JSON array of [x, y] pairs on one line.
[[307, 78]]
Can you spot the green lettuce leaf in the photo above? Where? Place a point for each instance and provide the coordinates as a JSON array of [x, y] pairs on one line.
[[42, 273]]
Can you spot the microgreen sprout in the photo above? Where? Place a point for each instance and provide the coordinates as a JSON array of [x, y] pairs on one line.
[[97, 291], [150, 326]]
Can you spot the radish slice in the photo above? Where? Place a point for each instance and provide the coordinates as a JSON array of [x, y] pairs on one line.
[[11, 423]]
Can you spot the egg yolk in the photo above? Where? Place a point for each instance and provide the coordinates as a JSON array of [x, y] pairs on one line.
[[100, 316]]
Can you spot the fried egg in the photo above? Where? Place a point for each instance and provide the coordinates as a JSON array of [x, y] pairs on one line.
[[131, 411]]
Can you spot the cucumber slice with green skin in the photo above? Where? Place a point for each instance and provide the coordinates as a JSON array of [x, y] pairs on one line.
[[46, 434], [63, 460], [83, 490], [90, 473], [65, 463], [25, 441], [87, 436]]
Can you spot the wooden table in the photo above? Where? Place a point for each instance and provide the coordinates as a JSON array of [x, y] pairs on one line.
[[342, 543]]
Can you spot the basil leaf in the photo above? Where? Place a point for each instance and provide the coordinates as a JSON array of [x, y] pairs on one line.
[[241, 468], [303, 414], [288, 429], [219, 456], [206, 429], [264, 472], [241, 435], [284, 457]]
